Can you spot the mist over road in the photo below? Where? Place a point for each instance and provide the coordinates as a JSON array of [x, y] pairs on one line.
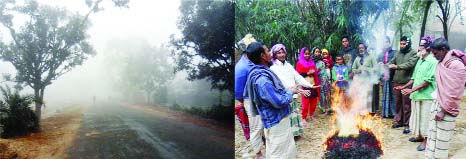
[[118, 131]]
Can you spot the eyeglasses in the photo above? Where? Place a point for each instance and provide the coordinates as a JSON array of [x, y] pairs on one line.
[[402, 43]]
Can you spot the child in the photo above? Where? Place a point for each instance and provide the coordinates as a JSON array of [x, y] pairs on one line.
[[340, 78], [340, 73], [327, 60]]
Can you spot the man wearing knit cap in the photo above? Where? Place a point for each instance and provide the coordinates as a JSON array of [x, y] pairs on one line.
[[403, 63]]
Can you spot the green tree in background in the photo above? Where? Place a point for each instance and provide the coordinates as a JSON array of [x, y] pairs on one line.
[[148, 69], [319, 23], [206, 49], [50, 43]]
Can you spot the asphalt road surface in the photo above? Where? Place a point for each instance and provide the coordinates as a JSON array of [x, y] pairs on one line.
[[117, 131]]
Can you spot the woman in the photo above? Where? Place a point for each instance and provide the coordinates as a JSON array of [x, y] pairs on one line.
[[388, 100], [324, 79], [307, 68]]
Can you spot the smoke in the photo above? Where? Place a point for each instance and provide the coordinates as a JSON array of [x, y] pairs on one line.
[[350, 115]]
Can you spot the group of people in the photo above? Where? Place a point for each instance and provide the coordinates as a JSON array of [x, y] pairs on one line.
[[422, 90]]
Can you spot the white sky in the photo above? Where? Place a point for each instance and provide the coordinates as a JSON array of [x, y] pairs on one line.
[[148, 19]]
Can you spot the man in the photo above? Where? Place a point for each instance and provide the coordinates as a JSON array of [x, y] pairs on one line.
[[289, 77], [364, 65], [272, 102], [388, 102], [423, 84], [242, 68], [403, 63], [348, 53], [450, 77]]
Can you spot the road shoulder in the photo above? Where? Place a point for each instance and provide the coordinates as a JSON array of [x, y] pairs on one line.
[[57, 135]]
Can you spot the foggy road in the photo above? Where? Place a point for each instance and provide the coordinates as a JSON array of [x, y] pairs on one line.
[[116, 131]]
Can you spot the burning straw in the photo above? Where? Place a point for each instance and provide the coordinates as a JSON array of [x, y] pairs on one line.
[[355, 133]]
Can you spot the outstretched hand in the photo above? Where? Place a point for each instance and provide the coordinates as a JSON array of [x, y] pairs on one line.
[[306, 93], [406, 91]]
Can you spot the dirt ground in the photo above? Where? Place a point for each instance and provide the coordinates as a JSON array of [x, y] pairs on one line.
[[395, 144], [58, 133]]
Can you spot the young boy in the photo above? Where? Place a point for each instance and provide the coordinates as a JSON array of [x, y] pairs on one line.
[[340, 73], [340, 78]]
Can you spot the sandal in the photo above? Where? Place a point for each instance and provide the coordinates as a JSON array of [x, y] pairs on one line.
[[415, 139], [421, 147]]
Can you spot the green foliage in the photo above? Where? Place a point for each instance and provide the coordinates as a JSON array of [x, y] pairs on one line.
[[272, 21], [16, 116], [50, 43], [305, 23], [216, 112], [148, 69], [410, 16], [142, 67], [206, 49]]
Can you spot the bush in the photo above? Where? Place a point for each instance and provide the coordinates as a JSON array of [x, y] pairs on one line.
[[16, 116], [175, 106], [217, 112]]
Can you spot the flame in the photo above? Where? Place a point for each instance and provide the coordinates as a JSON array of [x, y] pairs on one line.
[[351, 116]]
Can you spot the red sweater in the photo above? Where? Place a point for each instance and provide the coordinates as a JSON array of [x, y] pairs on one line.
[[302, 69]]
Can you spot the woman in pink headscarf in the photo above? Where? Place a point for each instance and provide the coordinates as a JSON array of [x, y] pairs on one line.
[[307, 68]]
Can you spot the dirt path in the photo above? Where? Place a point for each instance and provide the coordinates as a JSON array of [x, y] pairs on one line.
[[58, 133], [395, 143]]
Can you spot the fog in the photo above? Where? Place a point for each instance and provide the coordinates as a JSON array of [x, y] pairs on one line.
[[115, 34]]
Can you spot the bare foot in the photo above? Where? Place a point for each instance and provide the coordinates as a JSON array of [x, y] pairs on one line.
[[260, 156], [304, 123]]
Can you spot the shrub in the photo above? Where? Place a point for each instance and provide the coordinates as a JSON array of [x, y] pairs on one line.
[[217, 112], [16, 116]]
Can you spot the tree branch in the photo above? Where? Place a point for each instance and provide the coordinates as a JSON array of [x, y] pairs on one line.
[[439, 18]]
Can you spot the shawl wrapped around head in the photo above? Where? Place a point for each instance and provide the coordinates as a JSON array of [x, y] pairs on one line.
[[277, 48], [450, 82], [306, 63]]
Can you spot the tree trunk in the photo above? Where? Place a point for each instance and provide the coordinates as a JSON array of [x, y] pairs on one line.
[[444, 19], [38, 102], [445, 28], [424, 19]]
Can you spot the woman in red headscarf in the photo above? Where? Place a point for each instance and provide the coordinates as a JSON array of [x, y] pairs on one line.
[[307, 68]]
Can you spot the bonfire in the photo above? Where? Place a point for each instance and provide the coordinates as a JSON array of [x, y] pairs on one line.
[[355, 134]]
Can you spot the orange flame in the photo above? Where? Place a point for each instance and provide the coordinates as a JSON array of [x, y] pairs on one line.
[[349, 117]]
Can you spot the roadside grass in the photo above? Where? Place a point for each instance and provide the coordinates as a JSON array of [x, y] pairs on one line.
[[216, 112]]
